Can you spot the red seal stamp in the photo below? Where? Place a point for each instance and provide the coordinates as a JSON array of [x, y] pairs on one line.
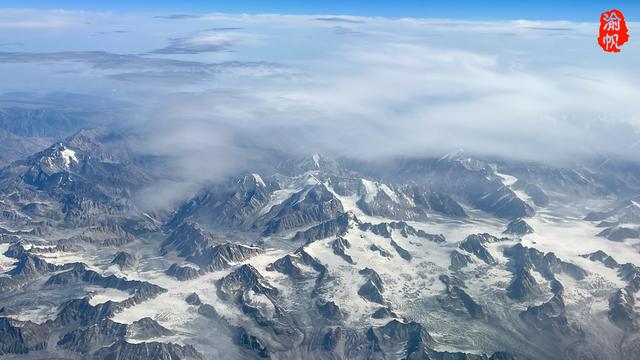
[[613, 31]]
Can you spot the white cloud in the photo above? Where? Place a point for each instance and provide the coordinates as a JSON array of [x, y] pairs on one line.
[[523, 89]]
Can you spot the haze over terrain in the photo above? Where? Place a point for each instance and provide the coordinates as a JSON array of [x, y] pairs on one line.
[[356, 86]]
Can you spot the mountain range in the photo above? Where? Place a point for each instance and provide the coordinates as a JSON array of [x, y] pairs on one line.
[[447, 257]]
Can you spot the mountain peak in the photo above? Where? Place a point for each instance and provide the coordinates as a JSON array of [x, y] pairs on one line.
[[252, 179], [453, 156], [316, 162], [57, 158]]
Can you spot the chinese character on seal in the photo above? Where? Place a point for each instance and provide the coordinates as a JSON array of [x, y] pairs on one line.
[[613, 31]]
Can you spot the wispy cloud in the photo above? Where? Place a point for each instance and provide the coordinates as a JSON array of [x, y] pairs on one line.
[[179, 16], [341, 19], [131, 67], [212, 40], [27, 19]]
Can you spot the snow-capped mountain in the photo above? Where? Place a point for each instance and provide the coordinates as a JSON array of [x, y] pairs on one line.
[[449, 257]]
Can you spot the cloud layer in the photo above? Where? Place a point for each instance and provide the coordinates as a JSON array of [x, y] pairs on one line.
[[216, 91]]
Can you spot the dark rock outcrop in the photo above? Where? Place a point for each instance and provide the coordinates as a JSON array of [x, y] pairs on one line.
[[459, 260], [602, 257], [401, 251], [545, 263], [125, 260], [475, 244], [518, 227], [93, 337], [18, 337], [523, 285], [385, 230], [631, 274], [373, 288], [122, 349], [384, 313], [331, 228], [310, 206], [193, 299], [407, 340], [246, 277], [440, 202], [621, 310], [250, 342], [223, 256], [504, 203], [523, 260], [30, 265], [141, 290], [379, 250], [234, 204], [147, 328], [188, 239], [294, 266], [183, 273], [339, 247], [549, 317], [81, 312], [329, 310], [331, 339], [458, 301], [620, 233]]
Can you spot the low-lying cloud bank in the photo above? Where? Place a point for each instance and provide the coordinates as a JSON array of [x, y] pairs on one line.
[[213, 91]]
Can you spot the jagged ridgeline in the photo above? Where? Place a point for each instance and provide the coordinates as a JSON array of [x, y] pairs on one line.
[[452, 257]]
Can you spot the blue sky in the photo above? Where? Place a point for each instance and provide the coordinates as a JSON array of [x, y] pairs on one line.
[[468, 9]]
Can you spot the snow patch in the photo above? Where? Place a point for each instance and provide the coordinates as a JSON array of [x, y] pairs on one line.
[[452, 155], [349, 203], [310, 180], [389, 192], [277, 198], [6, 263], [68, 155], [258, 179], [509, 181], [37, 314], [569, 238], [372, 188], [103, 295]]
